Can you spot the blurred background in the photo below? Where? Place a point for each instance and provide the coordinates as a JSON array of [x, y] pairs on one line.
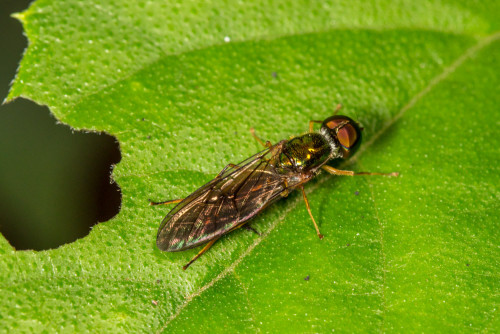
[[54, 183]]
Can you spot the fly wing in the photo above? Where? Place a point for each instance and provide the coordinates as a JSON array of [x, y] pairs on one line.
[[223, 203]]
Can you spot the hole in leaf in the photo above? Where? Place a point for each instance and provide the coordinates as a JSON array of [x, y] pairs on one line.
[[54, 182]]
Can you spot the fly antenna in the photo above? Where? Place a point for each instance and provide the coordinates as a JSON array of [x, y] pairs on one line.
[[337, 109]]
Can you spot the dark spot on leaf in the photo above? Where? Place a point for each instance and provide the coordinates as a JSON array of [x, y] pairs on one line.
[[348, 245], [306, 278], [467, 264], [356, 193], [274, 74]]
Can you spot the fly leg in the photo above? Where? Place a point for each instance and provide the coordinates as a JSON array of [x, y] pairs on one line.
[[208, 245], [172, 201], [310, 213], [250, 228], [311, 123], [266, 144], [335, 171], [200, 253]]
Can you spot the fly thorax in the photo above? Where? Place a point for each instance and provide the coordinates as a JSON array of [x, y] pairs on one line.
[[305, 153]]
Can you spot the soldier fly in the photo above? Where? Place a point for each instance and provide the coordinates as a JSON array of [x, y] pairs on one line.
[[239, 192]]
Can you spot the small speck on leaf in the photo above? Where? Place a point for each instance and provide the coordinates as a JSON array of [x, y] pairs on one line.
[[306, 278], [154, 302]]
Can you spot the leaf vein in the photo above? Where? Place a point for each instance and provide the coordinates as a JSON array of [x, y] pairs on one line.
[[413, 101], [250, 307]]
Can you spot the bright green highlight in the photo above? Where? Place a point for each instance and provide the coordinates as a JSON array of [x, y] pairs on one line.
[[416, 253]]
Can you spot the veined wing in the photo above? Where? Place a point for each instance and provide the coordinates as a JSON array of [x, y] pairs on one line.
[[223, 203]]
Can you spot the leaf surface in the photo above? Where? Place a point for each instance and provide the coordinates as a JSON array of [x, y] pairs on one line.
[[418, 252]]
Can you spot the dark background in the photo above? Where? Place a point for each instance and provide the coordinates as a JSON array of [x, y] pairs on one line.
[[54, 182]]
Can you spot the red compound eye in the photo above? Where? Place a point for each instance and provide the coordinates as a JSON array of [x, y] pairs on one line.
[[347, 136]]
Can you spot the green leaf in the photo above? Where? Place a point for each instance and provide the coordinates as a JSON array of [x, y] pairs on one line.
[[414, 253]]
